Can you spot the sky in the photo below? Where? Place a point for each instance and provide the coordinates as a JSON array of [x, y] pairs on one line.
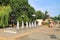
[[52, 6]]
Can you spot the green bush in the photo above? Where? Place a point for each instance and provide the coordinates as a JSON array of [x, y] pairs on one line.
[[45, 23]]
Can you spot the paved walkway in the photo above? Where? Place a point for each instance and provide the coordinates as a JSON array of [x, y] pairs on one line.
[[7, 33], [44, 33], [29, 31]]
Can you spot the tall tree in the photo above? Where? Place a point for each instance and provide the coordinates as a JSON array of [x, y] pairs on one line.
[[59, 17], [4, 15], [4, 2], [39, 15], [22, 7], [46, 15]]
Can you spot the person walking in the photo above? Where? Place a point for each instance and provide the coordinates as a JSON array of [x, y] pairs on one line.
[[51, 24]]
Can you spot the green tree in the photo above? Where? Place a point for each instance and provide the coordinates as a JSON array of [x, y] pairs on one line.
[[39, 15], [59, 17], [21, 7], [18, 7], [4, 15], [46, 15], [4, 2]]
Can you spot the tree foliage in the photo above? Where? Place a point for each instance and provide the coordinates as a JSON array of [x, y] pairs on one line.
[[4, 15], [46, 15], [19, 8], [39, 15], [56, 17], [59, 17], [22, 7]]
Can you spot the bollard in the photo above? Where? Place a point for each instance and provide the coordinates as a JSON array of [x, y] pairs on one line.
[[29, 24], [35, 23], [17, 25], [26, 24], [22, 24], [32, 24]]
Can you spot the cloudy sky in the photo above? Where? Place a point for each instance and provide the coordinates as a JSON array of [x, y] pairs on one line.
[[52, 6]]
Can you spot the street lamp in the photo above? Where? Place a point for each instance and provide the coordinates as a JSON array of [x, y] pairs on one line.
[[33, 18], [22, 21]]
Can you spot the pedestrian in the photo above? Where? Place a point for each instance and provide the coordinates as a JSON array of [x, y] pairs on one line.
[[51, 24]]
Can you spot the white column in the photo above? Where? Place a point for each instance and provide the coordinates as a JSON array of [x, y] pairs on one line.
[[35, 23], [26, 24], [17, 25], [22, 24], [32, 24], [29, 24]]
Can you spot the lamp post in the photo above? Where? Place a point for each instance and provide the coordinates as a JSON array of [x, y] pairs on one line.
[[22, 21], [33, 18]]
